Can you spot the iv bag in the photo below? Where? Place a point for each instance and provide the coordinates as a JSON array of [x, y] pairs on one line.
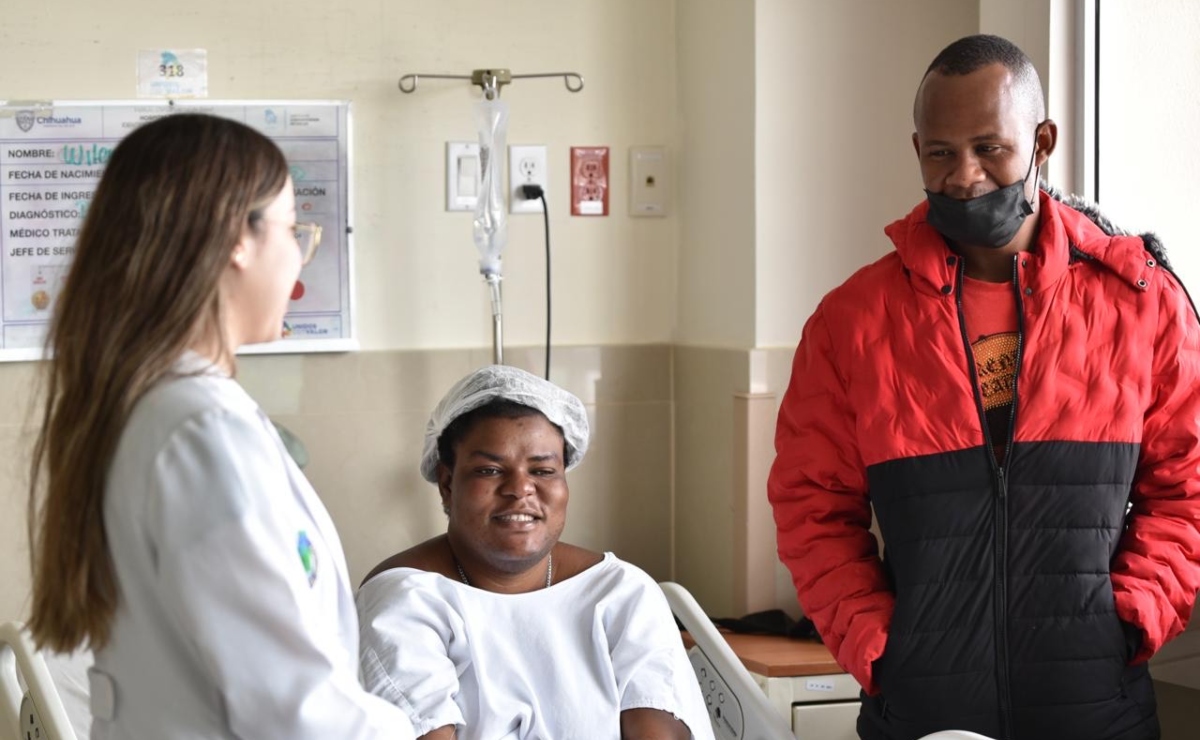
[[491, 224]]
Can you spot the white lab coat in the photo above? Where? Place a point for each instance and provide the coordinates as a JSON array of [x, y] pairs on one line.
[[225, 627]]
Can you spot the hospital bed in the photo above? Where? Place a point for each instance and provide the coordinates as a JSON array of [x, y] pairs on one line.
[[738, 708], [30, 706]]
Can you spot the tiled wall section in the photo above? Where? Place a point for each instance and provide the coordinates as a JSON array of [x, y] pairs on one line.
[[708, 479], [16, 381], [362, 417], [706, 380]]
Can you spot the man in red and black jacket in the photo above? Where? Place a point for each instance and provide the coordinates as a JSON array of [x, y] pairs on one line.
[[1015, 391]]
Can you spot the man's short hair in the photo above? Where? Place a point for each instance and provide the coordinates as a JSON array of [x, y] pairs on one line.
[[972, 53]]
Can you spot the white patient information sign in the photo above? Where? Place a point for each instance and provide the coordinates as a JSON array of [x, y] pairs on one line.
[[52, 156]]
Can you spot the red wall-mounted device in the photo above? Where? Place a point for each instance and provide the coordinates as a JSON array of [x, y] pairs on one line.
[[589, 181]]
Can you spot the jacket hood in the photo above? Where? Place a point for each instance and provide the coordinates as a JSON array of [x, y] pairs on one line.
[[1151, 241]]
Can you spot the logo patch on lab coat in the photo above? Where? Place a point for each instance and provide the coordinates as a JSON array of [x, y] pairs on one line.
[[308, 556]]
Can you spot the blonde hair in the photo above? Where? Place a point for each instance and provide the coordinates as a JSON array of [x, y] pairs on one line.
[[175, 197]]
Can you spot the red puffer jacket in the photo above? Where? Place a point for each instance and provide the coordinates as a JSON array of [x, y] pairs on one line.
[[1017, 600]]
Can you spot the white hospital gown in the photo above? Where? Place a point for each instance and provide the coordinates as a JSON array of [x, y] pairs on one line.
[[553, 664]]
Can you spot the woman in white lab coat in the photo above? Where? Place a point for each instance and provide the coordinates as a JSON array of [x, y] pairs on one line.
[[171, 531]]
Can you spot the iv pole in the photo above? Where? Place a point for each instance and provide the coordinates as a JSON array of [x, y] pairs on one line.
[[491, 80]]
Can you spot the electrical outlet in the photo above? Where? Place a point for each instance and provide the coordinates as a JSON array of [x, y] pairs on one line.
[[589, 181], [526, 166]]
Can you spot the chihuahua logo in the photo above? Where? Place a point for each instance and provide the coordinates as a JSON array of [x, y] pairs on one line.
[[25, 120]]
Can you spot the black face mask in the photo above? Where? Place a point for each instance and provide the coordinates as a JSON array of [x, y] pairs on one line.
[[990, 220]]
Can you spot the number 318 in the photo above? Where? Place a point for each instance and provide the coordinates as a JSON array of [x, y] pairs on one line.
[[170, 70]]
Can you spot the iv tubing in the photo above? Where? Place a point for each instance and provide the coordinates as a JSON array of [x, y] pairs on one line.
[[493, 280]]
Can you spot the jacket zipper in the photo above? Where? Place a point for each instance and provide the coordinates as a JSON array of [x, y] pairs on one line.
[[1000, 478]]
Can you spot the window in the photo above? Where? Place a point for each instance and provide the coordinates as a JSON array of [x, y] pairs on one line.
[[1145, 122]]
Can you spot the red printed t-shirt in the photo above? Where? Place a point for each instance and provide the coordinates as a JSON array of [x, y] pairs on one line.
[[990, 311]]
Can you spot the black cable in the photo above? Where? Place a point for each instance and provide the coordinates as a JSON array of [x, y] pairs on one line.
[[546, 218], [1096, 114], [529, 192]]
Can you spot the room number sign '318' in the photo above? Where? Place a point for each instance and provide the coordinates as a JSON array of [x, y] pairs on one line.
[[172, 73]]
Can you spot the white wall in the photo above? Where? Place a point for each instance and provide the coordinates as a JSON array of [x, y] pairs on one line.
[[418, 285], [1150, 123], [1064, 86], [716, 41], [834, 158]]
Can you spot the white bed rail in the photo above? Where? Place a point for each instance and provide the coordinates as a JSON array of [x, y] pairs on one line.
[[34, 713]]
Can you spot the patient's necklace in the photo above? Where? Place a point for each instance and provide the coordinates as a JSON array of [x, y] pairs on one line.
[[549, 570]]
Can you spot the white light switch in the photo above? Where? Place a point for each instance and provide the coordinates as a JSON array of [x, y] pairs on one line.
[[463, 175], [468, 177], [649, 181]]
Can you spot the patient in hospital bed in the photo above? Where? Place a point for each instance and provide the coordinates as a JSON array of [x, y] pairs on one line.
[[496, 629]]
